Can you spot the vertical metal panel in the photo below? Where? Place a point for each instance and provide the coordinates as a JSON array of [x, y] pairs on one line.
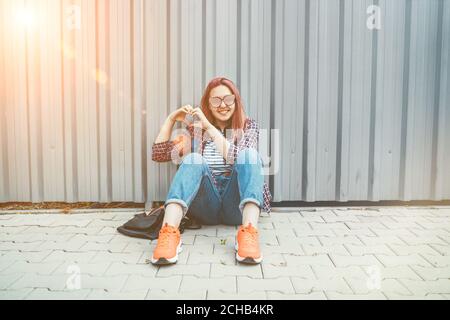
[[362, 114], [443, 137], [289, 95], [355, 103], [3, 156], [323, 98], [421, 95], [388, 101]]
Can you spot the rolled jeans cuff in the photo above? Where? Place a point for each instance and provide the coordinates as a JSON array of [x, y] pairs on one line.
[[180, 202], [244, 202]]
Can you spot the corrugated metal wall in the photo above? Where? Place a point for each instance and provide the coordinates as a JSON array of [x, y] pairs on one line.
[[362, 114]]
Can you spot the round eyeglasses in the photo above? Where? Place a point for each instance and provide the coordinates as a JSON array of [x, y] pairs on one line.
[[216, 102]]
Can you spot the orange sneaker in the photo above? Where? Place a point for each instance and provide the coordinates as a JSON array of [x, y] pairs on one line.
[[247, 245], [168, 246]]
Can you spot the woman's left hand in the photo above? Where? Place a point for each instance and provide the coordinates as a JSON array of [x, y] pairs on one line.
[[202, 120]]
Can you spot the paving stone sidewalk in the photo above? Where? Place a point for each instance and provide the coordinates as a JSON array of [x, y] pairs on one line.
[[322, 253]]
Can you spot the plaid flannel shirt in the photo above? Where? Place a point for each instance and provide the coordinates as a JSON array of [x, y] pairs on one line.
[[163, 151]]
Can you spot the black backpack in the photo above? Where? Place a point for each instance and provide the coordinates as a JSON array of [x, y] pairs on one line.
[[147, 225]]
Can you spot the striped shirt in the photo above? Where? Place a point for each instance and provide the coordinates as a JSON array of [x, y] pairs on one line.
[[215, 160]]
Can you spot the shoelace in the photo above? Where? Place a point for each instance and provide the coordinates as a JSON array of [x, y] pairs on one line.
[[164, 236], [250, 235]]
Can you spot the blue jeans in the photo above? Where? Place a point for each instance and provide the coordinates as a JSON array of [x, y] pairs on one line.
[[193, 188]]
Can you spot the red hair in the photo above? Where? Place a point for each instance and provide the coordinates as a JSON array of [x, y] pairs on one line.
[[238, 118]]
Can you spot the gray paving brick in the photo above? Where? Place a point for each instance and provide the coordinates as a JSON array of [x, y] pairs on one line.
[[111, 247], [394, 296], [298, 240], [16, 255], [317, 232], [103, 223], [412, 259], [29, 280], [59, 255], [73, 246], [368, 296], [375, 240], [446, 239], [22, 246], [398, 272], [339, 240], [199, 258], [432, 273], [274, 295], [101, 294], [366, 286], [126, 257], [354, 232], [219, 295], [14, 294], [31, 267], [72, 230], [317, 260], [193, 283], [442, 249], [436, 260], [414, 240], [319, 213], [440, 286], [199, 270], [208, 231], [138, 282], [392, 232], [301, 226], [418, 249], [110, 283], [4, 264], [160, 294], [45, 294], [7, 280], [33, 237], [72, 222], [121, 268], [200, 239], [346, 261], [310, 285], [281, 284], [220, 270], [301, 271], [287, 248], [205, 248], [430, 232], [341, 218], [6, 231], [261, 226], [93, 269], [83, 238], [328, 225], [371, 225], [276, 259], [328, 272], [359, 250]]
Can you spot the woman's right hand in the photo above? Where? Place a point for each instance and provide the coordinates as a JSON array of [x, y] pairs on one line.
[[180, 114]]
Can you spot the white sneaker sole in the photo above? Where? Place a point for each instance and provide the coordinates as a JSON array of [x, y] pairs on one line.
[[248, 260], [162, 261]]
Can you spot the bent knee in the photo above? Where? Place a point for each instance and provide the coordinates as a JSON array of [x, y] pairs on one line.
[[248, 156]]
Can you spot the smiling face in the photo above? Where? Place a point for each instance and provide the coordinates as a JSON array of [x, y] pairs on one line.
[[224, 112]]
